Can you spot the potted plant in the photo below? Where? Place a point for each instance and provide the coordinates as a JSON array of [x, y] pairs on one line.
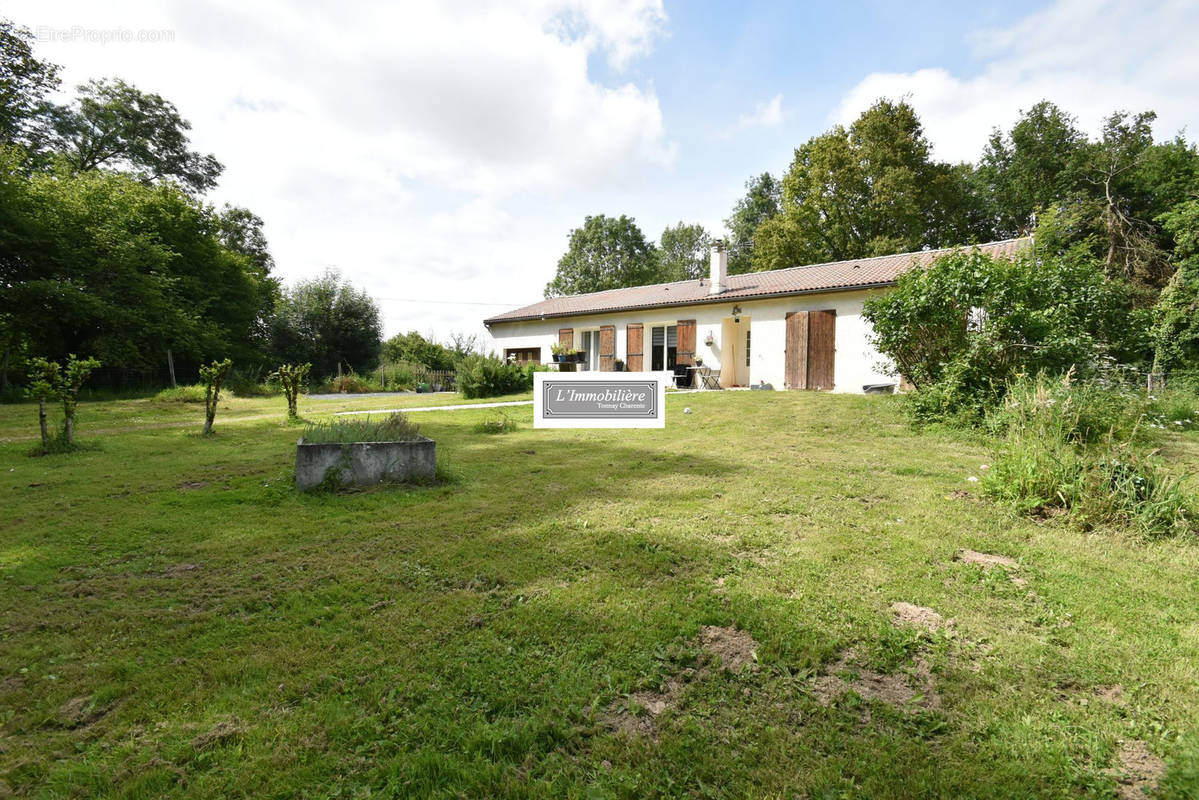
[[363, 452], [618, 366], [576, 356], [561, 352], [699, 361]]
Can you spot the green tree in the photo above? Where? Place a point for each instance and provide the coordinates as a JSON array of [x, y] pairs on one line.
[[213, 375], [1041, 161], [1176, 315], [292, 377], [24, 83], [117, 126], [328, 323], [762, 201], [684, 252], [606, 253], [868, 190], [43, 387]]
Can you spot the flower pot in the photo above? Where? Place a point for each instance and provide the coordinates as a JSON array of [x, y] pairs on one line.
[[579, 357]]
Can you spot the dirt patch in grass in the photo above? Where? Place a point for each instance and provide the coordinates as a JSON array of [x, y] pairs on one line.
[[919, 616], [637, 713], [990, 561], [735, 648], [901, 690], [80, 711], [1113, 694], [191, 486], [180, 569], [222, 731], [1138, 771]]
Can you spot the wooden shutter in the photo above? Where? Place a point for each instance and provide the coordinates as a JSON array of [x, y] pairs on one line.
[[566, 336], [634, 360], [685, 343], [607, 348], [822, 340], [796, 353]]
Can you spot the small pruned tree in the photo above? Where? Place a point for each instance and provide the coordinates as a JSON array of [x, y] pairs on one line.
[[73, 376], [292, 377], [43, 387], [213, 375]]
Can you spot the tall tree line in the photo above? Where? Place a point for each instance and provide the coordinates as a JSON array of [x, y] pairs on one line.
[[108, 248]]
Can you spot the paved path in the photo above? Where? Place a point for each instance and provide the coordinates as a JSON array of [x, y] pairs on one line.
[[457, 407]]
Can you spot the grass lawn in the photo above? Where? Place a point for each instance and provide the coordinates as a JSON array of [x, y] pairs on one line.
[[559, 618]]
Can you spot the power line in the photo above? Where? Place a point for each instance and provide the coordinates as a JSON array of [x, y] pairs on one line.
[[445, 302]]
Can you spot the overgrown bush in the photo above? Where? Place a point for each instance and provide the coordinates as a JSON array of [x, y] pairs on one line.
[[963, 327], [489, 376], [349, 383], [1084, 449], [251, 382]]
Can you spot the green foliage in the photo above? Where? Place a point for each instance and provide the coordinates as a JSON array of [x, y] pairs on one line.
[[1081, 448], [292, 377], [606, 253], [871, 189], [349, 383], [25, 81], [182, 394], [325, 322], [413, 348], [394, 428], [1176, 315], [489, 376], [763, 195], [213, 375], [961, 328], [50, 380], [117, 126], [684, 252]]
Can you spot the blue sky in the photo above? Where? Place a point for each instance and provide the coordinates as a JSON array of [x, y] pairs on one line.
[[439, 153]]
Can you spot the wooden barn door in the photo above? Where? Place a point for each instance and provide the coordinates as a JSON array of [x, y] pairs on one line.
[[822, 341], [634, 360], [685, 343], [796, 353], [607, 348], [811, 349]]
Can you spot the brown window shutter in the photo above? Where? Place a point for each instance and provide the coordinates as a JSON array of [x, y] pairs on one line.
[[685, 347], [566, 336], [607, 348], [634, 359]]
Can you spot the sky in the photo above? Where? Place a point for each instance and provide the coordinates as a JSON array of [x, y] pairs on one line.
[[438, 154]]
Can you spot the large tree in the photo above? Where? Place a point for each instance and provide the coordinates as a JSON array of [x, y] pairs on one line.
[[867, 190], [328, 323], [605, 253], [684, 252], [117, 126], [762, 199]]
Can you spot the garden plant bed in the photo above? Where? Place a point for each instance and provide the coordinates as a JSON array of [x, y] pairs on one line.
[[362, 464]]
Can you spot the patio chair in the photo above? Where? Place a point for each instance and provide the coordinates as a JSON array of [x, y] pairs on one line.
[[709, 378]]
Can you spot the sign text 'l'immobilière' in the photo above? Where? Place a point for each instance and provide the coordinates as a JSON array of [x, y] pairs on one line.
[[600, 400]]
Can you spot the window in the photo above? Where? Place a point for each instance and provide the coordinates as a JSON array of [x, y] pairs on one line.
[[523, 355], [664, 342], [747, 347]]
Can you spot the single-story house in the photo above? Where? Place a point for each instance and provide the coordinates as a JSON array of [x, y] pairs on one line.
[[795, 328]]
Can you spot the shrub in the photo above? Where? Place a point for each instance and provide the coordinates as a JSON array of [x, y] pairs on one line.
[[394, 428], [963, 327], [489, 376], [292, 377], [183, 394], [349, 383], [250, 382], [499, 422], [1082, 449]]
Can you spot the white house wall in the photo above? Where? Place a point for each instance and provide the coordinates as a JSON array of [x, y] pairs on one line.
[[856, 363]]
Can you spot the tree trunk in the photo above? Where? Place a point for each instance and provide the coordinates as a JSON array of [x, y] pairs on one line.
[[4, 369], [68, 429], [208, 418], [171, 367], [41, 418]]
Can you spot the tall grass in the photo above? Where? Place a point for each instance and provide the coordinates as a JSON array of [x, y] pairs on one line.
[[1084, 448], [394, 428]]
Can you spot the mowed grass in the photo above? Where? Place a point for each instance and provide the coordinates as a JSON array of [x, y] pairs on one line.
[[177, 620]]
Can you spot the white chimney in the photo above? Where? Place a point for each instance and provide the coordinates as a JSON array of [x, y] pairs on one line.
[[719, 283]]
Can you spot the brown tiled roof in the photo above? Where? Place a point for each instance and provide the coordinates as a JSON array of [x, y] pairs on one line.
[[858, 273]]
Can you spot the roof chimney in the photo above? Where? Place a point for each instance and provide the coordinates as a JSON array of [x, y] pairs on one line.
[[719, 283]]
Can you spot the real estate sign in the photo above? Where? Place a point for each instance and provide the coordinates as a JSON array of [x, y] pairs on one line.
[[600, 399]]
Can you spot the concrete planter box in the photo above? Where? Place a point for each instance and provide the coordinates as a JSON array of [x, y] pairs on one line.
[[364, 463]]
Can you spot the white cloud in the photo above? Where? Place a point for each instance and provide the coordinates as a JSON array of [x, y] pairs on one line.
[[1091, 58], [767, 114], [398, 143]]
